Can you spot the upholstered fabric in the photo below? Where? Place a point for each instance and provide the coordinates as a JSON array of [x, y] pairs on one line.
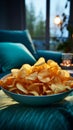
[[54, 55], [18, 36], [15, 116], [14, 55]]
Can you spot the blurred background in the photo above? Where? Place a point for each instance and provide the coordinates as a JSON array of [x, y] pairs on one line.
[[49, 22]]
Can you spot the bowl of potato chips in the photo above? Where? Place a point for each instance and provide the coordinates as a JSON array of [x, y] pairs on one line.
[[43, 83]]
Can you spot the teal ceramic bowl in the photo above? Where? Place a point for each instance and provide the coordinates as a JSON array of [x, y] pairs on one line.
[[37, 100]]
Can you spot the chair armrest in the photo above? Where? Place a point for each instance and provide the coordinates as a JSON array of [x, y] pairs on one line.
[[56, 56]]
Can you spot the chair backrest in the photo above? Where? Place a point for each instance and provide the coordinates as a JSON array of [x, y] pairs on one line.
[[14, 56], [18, 36]]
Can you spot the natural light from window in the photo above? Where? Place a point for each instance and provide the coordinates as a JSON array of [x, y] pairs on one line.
[[36, 18]]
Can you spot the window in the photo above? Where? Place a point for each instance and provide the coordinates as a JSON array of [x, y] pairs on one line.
[[35, 17], [58, 8], [36, 21]]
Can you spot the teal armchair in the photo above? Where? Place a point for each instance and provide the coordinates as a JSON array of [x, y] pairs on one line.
[[17, 48]]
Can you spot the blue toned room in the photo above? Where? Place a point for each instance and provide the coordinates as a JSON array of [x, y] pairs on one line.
[[36, 65]]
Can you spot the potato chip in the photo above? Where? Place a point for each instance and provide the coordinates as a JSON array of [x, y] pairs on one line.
[[25, 70], [33, 93], [42, 78], [64, 73], [12, 89], [39, 68], [48, 92], [40, 61], [26, 67], [57, 88], [38, 87], [21, 88], [32, 76], [15, 72], [52, 63]]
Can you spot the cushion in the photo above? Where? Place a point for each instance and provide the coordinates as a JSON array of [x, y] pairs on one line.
[[14, 55], [48, 54], [18, 36]]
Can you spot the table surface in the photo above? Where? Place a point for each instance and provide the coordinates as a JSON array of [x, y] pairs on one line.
[[16, 116]]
